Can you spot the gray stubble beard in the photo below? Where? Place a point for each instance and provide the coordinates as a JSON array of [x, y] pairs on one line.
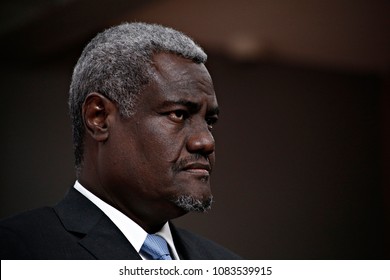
[[191, 204]]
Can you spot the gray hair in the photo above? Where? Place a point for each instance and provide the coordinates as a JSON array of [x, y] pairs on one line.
[[117, 63]]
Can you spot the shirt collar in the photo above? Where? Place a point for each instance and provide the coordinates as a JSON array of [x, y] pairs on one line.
[[131, 230]]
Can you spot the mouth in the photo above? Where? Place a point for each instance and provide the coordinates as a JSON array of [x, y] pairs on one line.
[[198, 169]]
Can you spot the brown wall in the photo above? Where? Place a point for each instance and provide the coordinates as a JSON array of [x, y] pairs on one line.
[[298, 165]]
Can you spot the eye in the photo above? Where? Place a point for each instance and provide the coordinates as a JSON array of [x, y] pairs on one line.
[[178, 115], [211, 122]]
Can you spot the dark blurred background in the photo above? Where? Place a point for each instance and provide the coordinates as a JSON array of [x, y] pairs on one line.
[[303, 143]]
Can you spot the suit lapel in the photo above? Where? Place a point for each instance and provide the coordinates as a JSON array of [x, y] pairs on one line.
[[97, 233], [185, 247], [105, 241]]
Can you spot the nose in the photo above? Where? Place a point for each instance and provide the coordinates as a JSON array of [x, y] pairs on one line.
[[201, 141]]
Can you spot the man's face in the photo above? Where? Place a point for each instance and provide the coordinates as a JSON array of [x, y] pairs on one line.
[[165, 151]]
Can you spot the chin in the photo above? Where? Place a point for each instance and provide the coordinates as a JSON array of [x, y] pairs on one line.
[[189, 203]]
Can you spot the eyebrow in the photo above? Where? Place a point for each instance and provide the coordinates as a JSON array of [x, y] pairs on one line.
[[192, 106]]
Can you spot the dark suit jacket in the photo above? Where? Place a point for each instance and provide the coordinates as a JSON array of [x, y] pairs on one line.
[[77, 229]]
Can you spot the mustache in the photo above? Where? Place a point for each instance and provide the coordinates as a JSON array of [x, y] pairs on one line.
[[182, 163]]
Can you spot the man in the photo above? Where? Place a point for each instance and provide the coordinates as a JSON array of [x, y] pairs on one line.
[[143, 108]]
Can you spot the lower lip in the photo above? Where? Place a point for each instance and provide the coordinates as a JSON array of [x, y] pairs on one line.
[[202, 172]]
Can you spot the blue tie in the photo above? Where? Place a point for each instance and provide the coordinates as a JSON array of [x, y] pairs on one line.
[[156, 248]]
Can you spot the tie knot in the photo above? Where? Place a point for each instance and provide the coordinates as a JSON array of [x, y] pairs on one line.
[[156, 248]]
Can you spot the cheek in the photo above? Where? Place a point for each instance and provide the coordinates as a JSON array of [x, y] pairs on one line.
[[161, 143]]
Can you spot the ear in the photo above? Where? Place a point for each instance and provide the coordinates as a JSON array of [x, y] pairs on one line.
[[96, 111]]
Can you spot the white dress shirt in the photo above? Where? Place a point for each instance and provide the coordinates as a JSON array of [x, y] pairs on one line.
[[131, 230]]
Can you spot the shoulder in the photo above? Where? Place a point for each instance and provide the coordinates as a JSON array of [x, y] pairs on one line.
[[19, 234], [26, 222], [194, 246]]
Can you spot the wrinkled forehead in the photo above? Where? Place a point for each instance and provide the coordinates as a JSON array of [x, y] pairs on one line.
[[176, 80], [170, 70]]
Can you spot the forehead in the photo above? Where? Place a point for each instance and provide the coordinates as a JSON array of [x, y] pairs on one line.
[[175, 75]]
